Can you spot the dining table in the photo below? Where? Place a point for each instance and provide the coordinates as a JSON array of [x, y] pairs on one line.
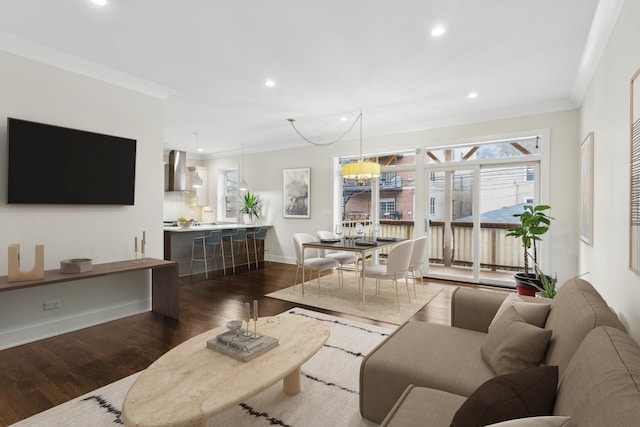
[[359, 245]]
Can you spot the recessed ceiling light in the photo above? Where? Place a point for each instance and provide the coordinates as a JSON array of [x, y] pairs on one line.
[[438, 31], [269, 83], [99, 2], [472, 95], [343, 119]]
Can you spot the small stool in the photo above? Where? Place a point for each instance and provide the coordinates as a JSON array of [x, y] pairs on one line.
[[213, 239], [238, 236], [259, 234]]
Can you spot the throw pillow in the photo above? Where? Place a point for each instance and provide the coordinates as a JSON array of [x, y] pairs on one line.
[[528, 393], [512, 344], [534, 313], [535, 422]]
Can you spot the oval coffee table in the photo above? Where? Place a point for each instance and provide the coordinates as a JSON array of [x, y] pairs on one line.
[[191, 383]]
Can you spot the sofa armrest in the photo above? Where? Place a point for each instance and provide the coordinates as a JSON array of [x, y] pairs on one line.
[[474, 309]]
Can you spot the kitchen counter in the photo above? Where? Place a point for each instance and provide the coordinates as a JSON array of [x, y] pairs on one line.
[[178, 242], [208, 227]]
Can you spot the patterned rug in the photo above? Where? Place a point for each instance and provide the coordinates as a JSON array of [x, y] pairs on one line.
[[383, 307], [329, 397]]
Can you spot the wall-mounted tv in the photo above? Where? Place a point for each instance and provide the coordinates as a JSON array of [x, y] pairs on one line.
[[57, 165]]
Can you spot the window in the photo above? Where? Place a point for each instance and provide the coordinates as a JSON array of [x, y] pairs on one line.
[[432, 204], [388, 209], [395, 187], [432, 176], [228, 194], [529, 174]]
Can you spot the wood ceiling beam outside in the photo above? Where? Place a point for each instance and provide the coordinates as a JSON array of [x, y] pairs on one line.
[[433, 157], [470, 153], [520, 148]]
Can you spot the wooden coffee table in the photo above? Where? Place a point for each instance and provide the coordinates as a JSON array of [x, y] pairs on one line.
[[191, 383]]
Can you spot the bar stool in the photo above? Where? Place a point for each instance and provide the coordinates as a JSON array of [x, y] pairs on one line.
[[259, 234], [213, 239], [238, 236]]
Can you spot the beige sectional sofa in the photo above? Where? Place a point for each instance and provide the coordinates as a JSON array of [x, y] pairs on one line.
[[423, 374]]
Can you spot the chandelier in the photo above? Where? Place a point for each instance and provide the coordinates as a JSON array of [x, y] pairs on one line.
[[361, 171]]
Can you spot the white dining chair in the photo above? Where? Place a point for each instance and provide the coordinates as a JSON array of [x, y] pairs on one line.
[[417, 259], [310, 259], [397, 267], [343, 258]]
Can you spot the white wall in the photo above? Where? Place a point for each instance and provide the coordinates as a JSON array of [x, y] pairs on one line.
[[263, 173], [606, 112], [38, 92]]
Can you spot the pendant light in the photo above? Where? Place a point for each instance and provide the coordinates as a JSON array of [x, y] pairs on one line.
[[196, 181], [243, 186], [362, 171]]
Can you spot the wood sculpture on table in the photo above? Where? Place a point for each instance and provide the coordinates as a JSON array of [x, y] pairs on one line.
[[15, 272]]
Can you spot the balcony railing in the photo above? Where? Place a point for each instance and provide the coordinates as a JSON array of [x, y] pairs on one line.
[[390, 185], [497, 251]]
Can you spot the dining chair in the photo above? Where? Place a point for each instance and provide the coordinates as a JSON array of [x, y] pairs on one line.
[[259, 234], [213, 239], [397, 267], [417, 259], [310, 259], [343, 258]]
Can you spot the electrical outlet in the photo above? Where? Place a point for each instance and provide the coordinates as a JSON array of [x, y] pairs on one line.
[[52, 305]]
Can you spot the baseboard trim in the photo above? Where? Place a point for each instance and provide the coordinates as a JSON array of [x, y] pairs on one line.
[[60, 326]]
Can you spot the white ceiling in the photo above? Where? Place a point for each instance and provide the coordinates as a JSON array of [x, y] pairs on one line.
[[328, 58]]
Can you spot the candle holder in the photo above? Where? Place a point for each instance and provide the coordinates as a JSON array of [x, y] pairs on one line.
[[255, 318], [248, 319]]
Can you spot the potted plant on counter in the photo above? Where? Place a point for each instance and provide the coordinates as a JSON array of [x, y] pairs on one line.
[[251, 207], [534, 222]]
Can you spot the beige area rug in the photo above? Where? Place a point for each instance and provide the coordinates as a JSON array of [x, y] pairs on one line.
[[329, 397], [381, 307]]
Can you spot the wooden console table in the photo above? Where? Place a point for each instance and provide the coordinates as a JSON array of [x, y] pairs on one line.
[[164, 281]]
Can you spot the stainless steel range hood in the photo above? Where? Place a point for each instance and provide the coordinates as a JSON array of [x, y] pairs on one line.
[[176, 172]]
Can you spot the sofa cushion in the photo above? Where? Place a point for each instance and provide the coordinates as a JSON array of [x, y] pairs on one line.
[[512, 344], [423, 406], [530, 392], [549, 421], [533, 313], [426, 355], [601, 385], [576, 309]]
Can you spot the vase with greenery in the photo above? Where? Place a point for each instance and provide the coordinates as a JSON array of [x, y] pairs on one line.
[[534, 222], [251, 206]]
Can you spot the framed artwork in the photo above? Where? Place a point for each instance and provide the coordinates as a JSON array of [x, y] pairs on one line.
[[296, 191], [634, 199], [586, 190]]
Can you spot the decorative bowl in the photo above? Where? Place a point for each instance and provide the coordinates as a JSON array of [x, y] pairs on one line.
[[185, 224], [76, 265], [234, 325]]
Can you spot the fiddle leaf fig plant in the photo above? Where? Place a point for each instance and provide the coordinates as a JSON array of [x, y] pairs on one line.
[[534, 222]]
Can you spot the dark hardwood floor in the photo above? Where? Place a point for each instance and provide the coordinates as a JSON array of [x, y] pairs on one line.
[[37, 376]]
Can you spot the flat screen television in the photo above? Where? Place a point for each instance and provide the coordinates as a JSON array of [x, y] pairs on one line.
[[56, 165]]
